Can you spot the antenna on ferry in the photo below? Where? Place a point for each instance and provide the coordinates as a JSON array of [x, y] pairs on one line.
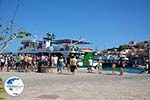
[[81, 39]]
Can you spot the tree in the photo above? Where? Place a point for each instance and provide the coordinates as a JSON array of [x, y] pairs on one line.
[[123, 47], [7, 36], [139, 46]]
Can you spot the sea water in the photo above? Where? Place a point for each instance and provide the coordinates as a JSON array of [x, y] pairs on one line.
[[128, 69]]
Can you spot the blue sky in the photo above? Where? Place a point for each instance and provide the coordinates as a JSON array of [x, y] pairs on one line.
[[105, 23]]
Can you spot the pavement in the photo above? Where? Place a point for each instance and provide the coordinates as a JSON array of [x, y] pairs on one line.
[[81, 86]]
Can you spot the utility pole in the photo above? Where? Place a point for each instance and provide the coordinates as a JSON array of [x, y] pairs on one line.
[[148, 58]]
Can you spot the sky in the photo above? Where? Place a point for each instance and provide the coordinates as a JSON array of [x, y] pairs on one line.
[[104, 23]]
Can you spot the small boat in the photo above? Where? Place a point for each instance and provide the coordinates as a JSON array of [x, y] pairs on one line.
[[140, 66]]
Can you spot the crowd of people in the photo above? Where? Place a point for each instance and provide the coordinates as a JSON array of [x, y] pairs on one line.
[[36, 63], [25, 62]]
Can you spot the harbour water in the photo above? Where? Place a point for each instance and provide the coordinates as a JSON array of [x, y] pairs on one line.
[[128, 69]]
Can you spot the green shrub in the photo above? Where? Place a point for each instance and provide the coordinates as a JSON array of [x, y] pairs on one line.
[[2, 90], [2, 98], [1, 80]]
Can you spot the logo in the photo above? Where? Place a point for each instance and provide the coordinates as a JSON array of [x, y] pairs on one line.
[[14, 86]]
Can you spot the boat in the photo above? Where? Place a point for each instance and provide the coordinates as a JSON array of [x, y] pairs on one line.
[[48, 45]]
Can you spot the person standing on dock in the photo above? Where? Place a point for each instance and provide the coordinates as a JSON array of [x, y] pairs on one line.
[[99, 66], [61, 65], [146, 66], [73, 64], [122, 66], [68, 63], [2, 60], [90, 66], [113, 68]]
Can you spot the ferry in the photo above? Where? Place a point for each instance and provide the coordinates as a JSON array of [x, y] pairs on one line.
[[48, 45], [61, 47]]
